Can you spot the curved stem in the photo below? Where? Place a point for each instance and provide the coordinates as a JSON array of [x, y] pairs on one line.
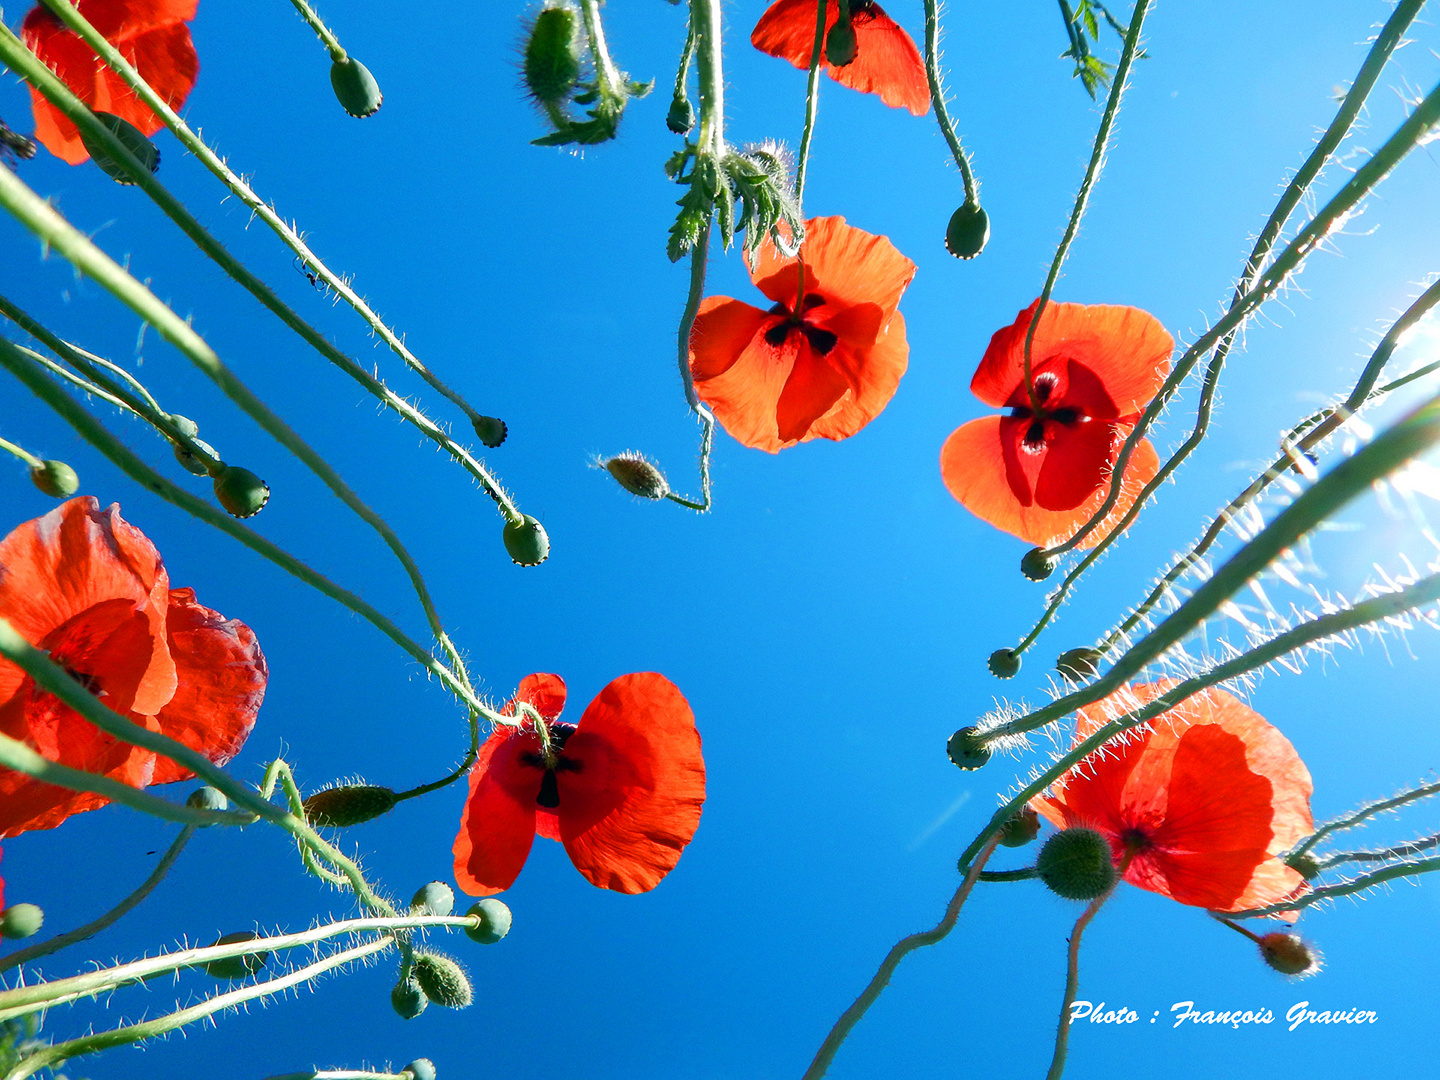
[[20, 452], [1349, 821], [812, 106], [699, 256], [1072, 982], [323, 32], [1346, 888], [937, 97]]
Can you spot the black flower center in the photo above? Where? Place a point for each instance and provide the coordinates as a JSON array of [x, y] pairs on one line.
[[822, 341], [549, 793], [1040, 416]]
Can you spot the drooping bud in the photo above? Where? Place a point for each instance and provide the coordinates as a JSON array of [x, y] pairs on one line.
[[141, 148], [1289, 955], [1076, 864], [968, 231], [494, 919], [1023, 826], [552, 55], [1004, 663], [356, 88], [240, 491], [341, 807], [1305, 866], [208, 798], [840, 44], [681, 117], [408, 1000], [1036, 565], [638, 476], [1077, 665], [437, 898], [55, 479], [193, 463], [491, 430], [237, 967], [443, 980], [420, 1069], [526, 542], [21, 920], [967, 749]]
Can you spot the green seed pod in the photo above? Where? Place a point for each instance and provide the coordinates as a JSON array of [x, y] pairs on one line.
[[681, 117], [237, 967], [1022, 827], [191, 463], [526, 542], [494, 921], [1289, 955], [1036, 565], [208, 798], [21, 920], [437, 898], [443, 980], [408, 1000], [1077, 665], [491, 431], [637, 476], [420, 1069], [968, 231], [356, 88], [840, 45], [552, 55], [240, 491], [1305, 866], [55, 479], [1003, 664], [141, 148], [967, 750], [341, 807], [1076, 864]]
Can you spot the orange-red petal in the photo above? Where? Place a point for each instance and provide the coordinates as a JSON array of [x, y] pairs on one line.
[[497, 827], [848, 266], [544, 691]]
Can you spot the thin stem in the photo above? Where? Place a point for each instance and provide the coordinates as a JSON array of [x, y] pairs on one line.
[[937, 96], [903, 948], [682, 74], [90, 929], [1028, 873], [436, 785], [21, 453], [1349, 821], [323, 32], [1399, 851], [699, 257], [812, 106], [1072, 981], [1346, 888], [706, 22]]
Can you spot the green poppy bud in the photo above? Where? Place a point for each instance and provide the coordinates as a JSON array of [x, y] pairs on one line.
[[237, 967], [21, 920], [55, 479], [141, 148], [408, 1000], [443, 980], [356, 88], [840, 44], [420, 1069], [437, 898], [340, 807], [526, 542], [183, 424], [1289, 955], [1023, 826], [193, 464], [1305, 866], [1004, 663], [494, 919], [637, 476], [491, 431], [967, 749], [552, 55], [1076, 864], [968, 231], [240, 491], [208, 798], [1036, 565], [1077, 665], [681, 117]]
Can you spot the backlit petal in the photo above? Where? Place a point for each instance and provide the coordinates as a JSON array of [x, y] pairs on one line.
[[546, 692], [844, 264], [722, 331], [497, 827], [812, 390]]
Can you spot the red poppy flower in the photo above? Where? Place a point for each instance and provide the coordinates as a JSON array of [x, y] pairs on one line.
[[1202, 802], [91, 590], [622, 790], [151, 34], [1040, 474], [886, 60], [819, 366]]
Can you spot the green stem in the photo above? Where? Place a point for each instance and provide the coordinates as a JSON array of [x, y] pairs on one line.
[[1399, 851], [937, 96], [812, 106], [21, 453], [699, 256], [1346, 888], [706, 22], [1072, 983], [1349, 821], [1028, 873], [612, 84], [323, 32]]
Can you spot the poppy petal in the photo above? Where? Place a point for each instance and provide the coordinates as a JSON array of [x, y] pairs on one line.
[[627, 814], [876, 379], [811, 391], [722, 332], [546, 692], [845, 265], [497, 828]]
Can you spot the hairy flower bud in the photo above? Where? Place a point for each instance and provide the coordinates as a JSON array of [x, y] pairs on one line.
[[1004, 663], [638, 476], [1078, 665], [55, 479], [356, 88], [552, 55], [443, 980], [420, 1069], [408, 1000], [208, 798], [1036, 565], [340, 807], [1076, 864], [1023, 826], [240, 491], [968, 231], [681, 117], [1289, 955], [967, 749], [141, 148], [526, 542], [491, 430], [437, 898], [237, 967], [21, 920], [494, 919], [840, 46]]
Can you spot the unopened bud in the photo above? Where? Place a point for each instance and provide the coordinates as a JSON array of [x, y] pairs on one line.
[[840, 45], [420, 1069], [408, 1000], [1078, 665], [1004, 663], [55, 479], [240, 491], [637, 476], [192, 463], [526, 542], [552, 55], [340, 807], [208, 798], [494, 918], [21, 920], [356, 88], [133, 139], [491, 430], [1036, 565], [967, 749], [681, 117], [443, 980], [1023, 826], [1076, 864], [437, 898], [968, 231], [1289, 955], [1305, 866], [237, 967]]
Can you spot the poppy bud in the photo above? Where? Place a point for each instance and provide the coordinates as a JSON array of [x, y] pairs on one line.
[[1004, 663], [1289, 955], [55, 479], [552, 55], [208, 798], [638, 476], [681, 117], [1305, 866], [21, 920], [193, 464], [1076, 864], [240, 491], [443, 980], [494, 919], [340, 807], [1036, 565], [437, 898], [967, 749], [408, 1000], [420, 1069], [237, 967], [183, 424], [840, 44], [526, 542], [134, 140], [1023, 826], [356, 88], [968, 231], [491, 431], [1079, 664]]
